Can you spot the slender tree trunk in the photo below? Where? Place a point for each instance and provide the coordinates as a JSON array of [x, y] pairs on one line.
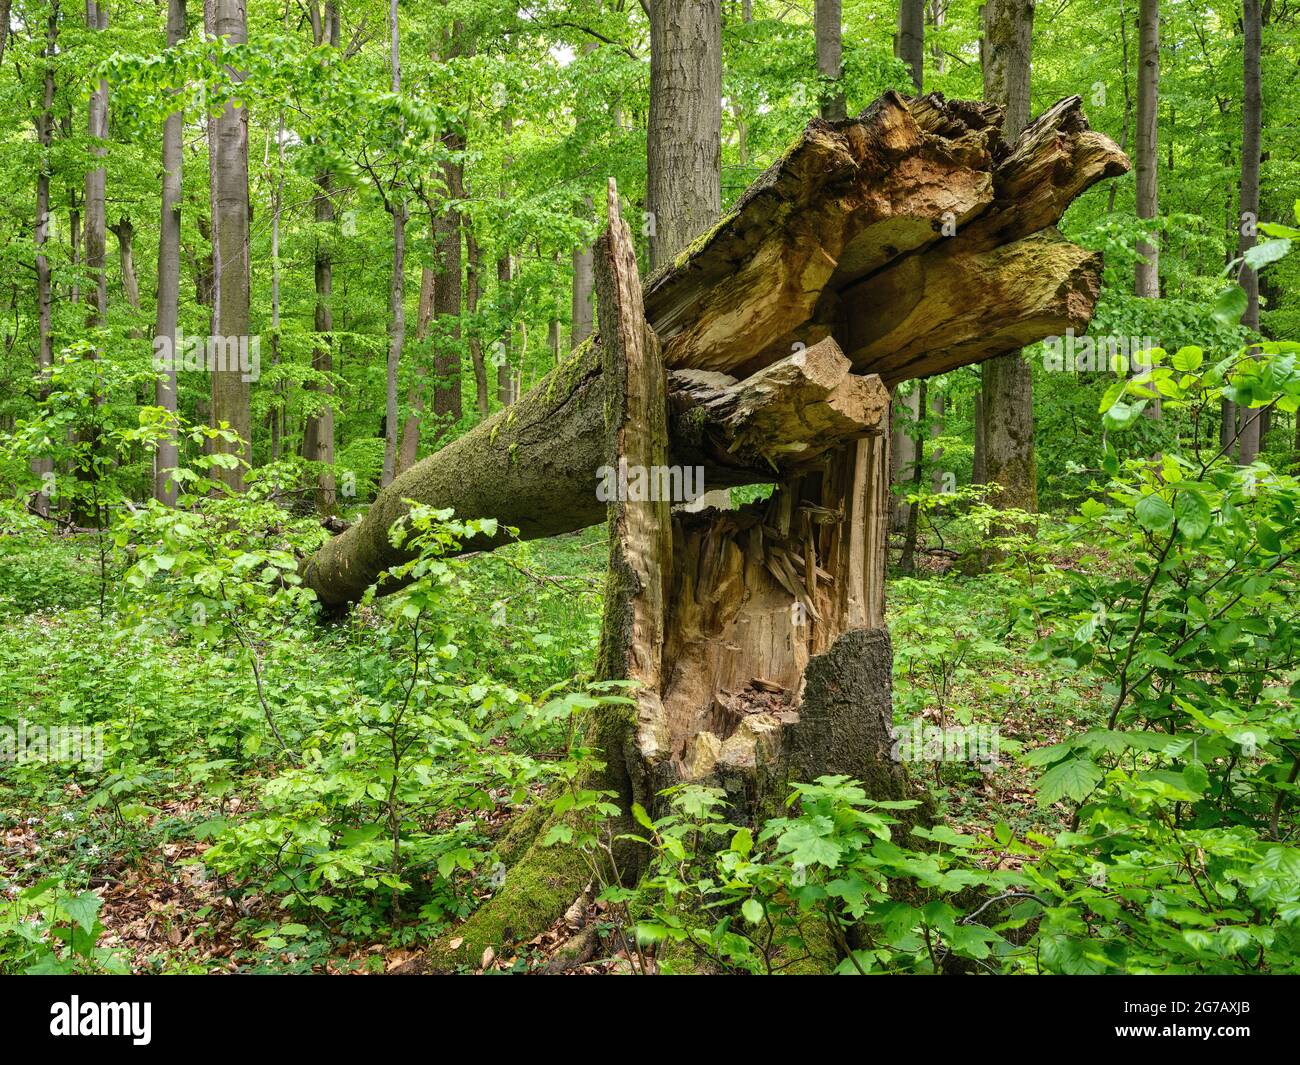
[[1251, 151], [397, 287], [473, 293], [124, 231], [1007, 382], [902, 454], [408, 449], [909, 46], [684, 139], [318, 432], [167, 455], [907, 562], [936, 14], [44, 467], [448, 286], [277, 201], [447, 403], [505, 342], [506, 393], [938, 407], [74, 224], [830, 61], [1128, 99], [4, 27], [230, 391], [583, 286], [909, 41], [96, 223], [1146, 162]]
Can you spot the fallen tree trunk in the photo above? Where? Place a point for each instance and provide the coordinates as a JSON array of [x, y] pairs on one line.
[[912, 234]]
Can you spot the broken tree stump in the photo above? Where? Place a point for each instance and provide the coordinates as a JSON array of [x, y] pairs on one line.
[[905, 242]]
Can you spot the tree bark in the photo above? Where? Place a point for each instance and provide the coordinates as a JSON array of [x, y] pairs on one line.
[[408, 449], [44, 467], [96, 222], [229, 164], [909, 41], [1146, 158], [395, 201], [1251, 151], [276, 413], [907, 558], [167, 455], [447, 402], [318, 429], [583, 285], [830, 61], [1007, 383], [124, 231], [684, 139], [902, 454], [473, 293], [504, 347]]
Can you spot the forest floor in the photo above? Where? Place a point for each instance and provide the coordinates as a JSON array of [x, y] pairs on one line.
[[180, 766]]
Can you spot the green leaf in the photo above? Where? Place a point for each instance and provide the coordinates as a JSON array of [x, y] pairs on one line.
[[1075, 779], [1193, 513], [1188, 359], [753, 910], [642, 818], [82, 909], [1230, 305], [1268, 252], [1154, 513]]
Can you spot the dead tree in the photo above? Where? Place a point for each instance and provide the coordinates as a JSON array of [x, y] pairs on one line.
[[903, 243]]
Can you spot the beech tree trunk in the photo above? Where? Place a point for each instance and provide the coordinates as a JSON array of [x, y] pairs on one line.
[[684, 139], [909, 41], [229, 164], [124, 231], [583, 285], [902, 455], [1146, 158], [44, 467], [1251, 152], [836, 239], [408, 447], [447, 403], [96, 222], [318, 431], [473, 293], [1007, 383], [395, 201], [167, 455], [830, 62]]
